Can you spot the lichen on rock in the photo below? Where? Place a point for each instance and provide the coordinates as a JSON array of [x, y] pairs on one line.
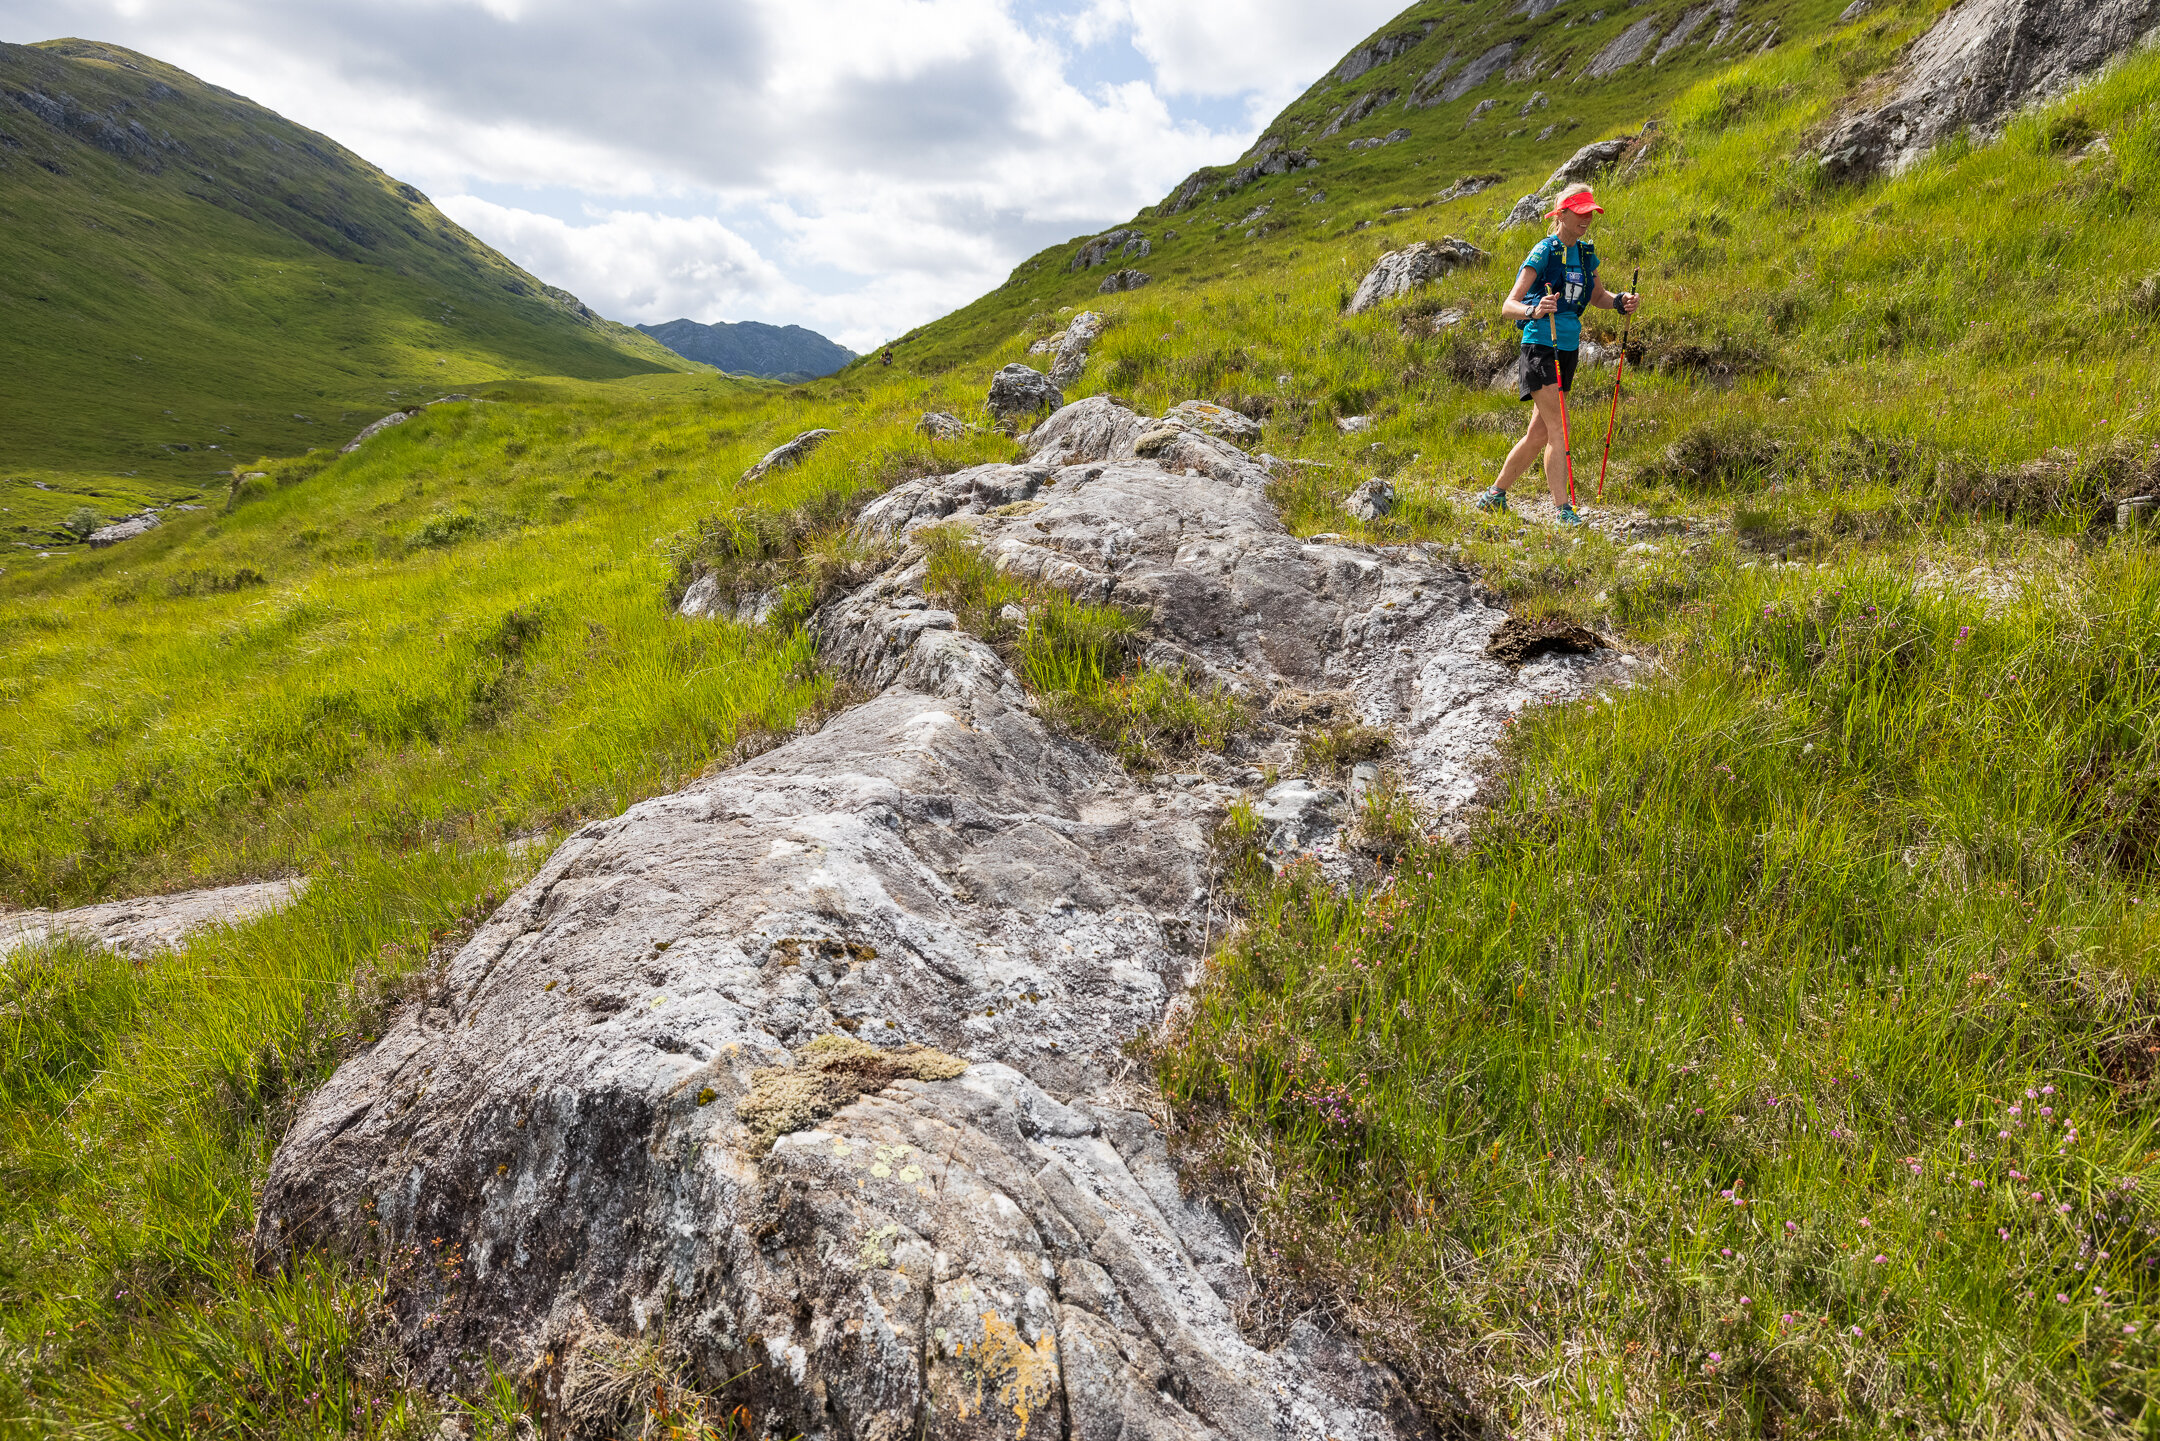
[[828, 1074]]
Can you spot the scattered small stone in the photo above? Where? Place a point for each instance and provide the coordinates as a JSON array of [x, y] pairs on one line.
[[942, 425], [1354, 424], [1371, 501]]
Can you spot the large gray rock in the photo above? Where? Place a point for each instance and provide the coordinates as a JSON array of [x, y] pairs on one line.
[[1019, 390], [395, 417], [793, 453], [1377, 52], [1588, 163], [1078, 339], [1120, 280], [618, 1113], [942, 425], [1476, 73], [1399, 272], [1102, 427], [1981, 62], [148, 924]]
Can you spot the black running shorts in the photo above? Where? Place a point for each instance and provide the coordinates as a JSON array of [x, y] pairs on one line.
[[1535, 370]]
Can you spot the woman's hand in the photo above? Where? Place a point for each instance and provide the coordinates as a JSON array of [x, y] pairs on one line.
[[1544, 307], [1626, 303]]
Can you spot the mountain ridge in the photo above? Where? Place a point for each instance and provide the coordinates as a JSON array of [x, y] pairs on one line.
[[186, 276], [751, 347]]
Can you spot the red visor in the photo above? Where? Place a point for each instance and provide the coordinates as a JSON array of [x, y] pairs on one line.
[[1582, 202]]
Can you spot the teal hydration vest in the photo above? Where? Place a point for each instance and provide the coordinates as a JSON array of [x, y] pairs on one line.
[[1574, 283]]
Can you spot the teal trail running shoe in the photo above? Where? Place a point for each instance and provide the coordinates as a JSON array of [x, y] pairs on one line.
[[1568, 516], [1493, 500]]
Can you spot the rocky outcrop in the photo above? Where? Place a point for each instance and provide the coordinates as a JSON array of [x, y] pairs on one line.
[[790, 455], [1122, 280], [1626, 48], [1103, 249], [1467, 186], [148, 924], [814, 1070], [1018, 390], [1358, 109], [1981, 62], [1399, 272], [1530, 207], [120, 530], [1476, 73], [1377, 52]]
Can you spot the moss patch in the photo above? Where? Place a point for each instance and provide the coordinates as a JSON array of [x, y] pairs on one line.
[[828, 1074]]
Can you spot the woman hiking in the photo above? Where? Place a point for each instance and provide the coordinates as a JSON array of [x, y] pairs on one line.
[[1557, 283]]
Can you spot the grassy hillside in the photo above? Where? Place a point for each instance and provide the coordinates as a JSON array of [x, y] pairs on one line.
[[1844, 911], [187, 279]]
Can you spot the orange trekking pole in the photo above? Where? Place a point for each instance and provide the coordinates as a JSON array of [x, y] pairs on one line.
[[1567, 451], [1614, 419]]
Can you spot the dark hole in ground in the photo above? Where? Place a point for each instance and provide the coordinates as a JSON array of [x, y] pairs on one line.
[[1519, 640]]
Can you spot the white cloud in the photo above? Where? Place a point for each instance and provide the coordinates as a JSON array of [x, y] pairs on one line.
[[855, 165]]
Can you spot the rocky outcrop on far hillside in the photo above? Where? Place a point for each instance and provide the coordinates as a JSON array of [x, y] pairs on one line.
[[813, 1073], [1982, 61]]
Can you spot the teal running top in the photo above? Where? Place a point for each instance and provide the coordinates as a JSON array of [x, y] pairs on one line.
[[1572, 274]]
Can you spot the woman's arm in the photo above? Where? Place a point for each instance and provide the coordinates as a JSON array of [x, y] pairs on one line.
[[1517, 308], [1599, 295]]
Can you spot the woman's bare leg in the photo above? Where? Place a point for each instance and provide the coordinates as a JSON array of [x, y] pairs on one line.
[[1525, 452], [1548, 402]]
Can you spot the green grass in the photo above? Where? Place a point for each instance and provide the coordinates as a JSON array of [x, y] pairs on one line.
[[233, 286], [1872, 840]]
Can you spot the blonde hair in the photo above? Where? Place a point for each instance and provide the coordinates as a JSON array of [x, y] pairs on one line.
[[1578, 188]]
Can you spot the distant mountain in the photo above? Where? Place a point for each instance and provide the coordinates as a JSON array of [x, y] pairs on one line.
[[778, 352], [187, 278]]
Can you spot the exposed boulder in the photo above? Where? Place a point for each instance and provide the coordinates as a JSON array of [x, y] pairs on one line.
[[784, 457], [395, 417], [1524, 211], [685, 1085], [1119, 280], [1586, 164], [1018, 390], [1074, 344], [942, 425], [1981, 62], [1191, 190], [141, 928], [1399, 272], [1371, 501], [120, 530], [1102, 427], [1117, 245], [1217, 420]]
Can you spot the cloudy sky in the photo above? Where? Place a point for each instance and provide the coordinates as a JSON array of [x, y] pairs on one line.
[[856, 166]]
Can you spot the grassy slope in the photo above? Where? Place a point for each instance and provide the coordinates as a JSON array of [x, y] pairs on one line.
[[184, 276], [1873, 849]]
